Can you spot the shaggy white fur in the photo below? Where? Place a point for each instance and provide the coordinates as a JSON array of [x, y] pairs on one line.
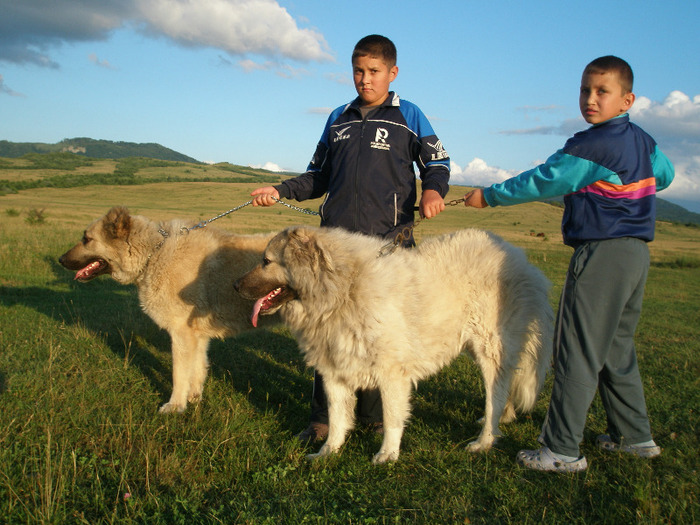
[[365, 321]]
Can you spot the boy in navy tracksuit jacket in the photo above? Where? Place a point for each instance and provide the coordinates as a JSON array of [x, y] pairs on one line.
[[609, 175], [364, 164]]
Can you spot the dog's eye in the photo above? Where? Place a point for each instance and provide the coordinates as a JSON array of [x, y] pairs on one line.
[[86, 239], [266, 261]]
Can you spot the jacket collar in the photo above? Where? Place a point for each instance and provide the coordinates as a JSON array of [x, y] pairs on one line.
[[392, 100]]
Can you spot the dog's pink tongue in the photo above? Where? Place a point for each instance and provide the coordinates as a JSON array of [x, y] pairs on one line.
[[85, 272], [256, 311]]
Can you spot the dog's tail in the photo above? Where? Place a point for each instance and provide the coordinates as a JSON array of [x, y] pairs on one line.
[[535, 360]]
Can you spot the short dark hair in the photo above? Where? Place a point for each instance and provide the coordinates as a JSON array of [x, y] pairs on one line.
[[376, 46], [616, 64]]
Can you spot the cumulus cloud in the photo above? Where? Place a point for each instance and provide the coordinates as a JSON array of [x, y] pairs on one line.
[[676, 118], [478, 173], [675, 125], [28, 30]]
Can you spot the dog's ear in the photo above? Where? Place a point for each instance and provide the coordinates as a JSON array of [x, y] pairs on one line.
[[306, 247], [117, 223]]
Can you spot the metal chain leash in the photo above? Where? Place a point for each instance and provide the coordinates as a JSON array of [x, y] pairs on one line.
[[406, 232], [224, 214], [387, 249]]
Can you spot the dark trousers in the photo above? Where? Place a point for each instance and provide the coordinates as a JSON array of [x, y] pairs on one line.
[[368, 409]]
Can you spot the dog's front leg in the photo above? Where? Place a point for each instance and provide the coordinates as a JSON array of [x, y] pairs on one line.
[[341, 409], [396, 405], [184, 350]]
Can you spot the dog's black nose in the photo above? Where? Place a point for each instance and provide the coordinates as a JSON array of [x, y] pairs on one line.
[[236, 285]]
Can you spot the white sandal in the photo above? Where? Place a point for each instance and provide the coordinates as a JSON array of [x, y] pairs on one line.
[[606, 443], [545, 460]]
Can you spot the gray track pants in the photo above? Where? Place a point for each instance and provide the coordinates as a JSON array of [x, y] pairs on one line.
[[594, 345]]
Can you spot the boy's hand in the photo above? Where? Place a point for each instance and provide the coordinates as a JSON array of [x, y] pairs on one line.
[[264, 196], [475, 199], [430, 204]]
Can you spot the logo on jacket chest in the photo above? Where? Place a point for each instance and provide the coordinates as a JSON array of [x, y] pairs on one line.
[[379, 141], [342, 134]]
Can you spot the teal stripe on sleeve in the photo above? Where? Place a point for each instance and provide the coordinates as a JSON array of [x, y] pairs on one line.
[[560, 175], [663, 169]]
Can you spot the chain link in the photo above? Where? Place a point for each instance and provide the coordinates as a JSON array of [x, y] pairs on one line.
[[224, 214], [406, 232], [387, 249]]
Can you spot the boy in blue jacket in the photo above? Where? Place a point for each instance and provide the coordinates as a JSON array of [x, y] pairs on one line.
[[609, 175], [364, 164]]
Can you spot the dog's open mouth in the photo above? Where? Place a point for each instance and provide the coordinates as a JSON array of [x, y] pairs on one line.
[[271, 301], [92, 270]]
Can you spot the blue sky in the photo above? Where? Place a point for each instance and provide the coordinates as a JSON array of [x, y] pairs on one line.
[[252, 82]]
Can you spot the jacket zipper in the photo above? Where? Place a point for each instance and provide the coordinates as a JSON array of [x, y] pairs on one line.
[[357, 167]]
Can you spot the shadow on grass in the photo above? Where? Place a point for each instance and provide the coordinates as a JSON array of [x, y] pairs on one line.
[[263, 365]]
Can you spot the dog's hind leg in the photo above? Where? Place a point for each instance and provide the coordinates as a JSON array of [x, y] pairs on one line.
[[396, 405], [496, 384], [341, 415], [189, 368]]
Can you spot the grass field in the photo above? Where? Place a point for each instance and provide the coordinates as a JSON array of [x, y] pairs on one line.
[[83, 371]]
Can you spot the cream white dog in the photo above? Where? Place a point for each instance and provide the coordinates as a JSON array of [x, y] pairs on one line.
[[369, 321]]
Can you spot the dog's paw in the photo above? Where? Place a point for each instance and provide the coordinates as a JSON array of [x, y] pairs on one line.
[[194, 398], [324, 451], [479, 446], [383, 457], [171, 408]]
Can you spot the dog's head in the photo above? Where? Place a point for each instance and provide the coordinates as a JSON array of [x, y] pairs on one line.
[[102, 247], [293, 260]]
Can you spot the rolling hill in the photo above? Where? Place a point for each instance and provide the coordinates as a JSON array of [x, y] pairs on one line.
[[96, 149], [87, 148]]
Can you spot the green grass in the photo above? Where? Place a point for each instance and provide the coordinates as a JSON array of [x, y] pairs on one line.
[[83, 371]]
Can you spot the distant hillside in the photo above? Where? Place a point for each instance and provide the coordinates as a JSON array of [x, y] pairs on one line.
[[97, 149], [667, 211], [129, 152]]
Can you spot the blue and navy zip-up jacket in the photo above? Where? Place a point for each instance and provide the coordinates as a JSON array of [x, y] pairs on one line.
[[365, 166], [609, 175]]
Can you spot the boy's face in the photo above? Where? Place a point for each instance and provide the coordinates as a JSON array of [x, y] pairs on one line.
[[602, 97], [372, 77]]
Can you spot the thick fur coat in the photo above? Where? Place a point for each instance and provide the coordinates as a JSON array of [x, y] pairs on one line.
[[369, 321], [183, 279]]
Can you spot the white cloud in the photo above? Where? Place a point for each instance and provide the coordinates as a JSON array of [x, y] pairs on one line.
[[238, 27], [675, 125], [269, 166], [677, 117], [478, 173], [28, 30]]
